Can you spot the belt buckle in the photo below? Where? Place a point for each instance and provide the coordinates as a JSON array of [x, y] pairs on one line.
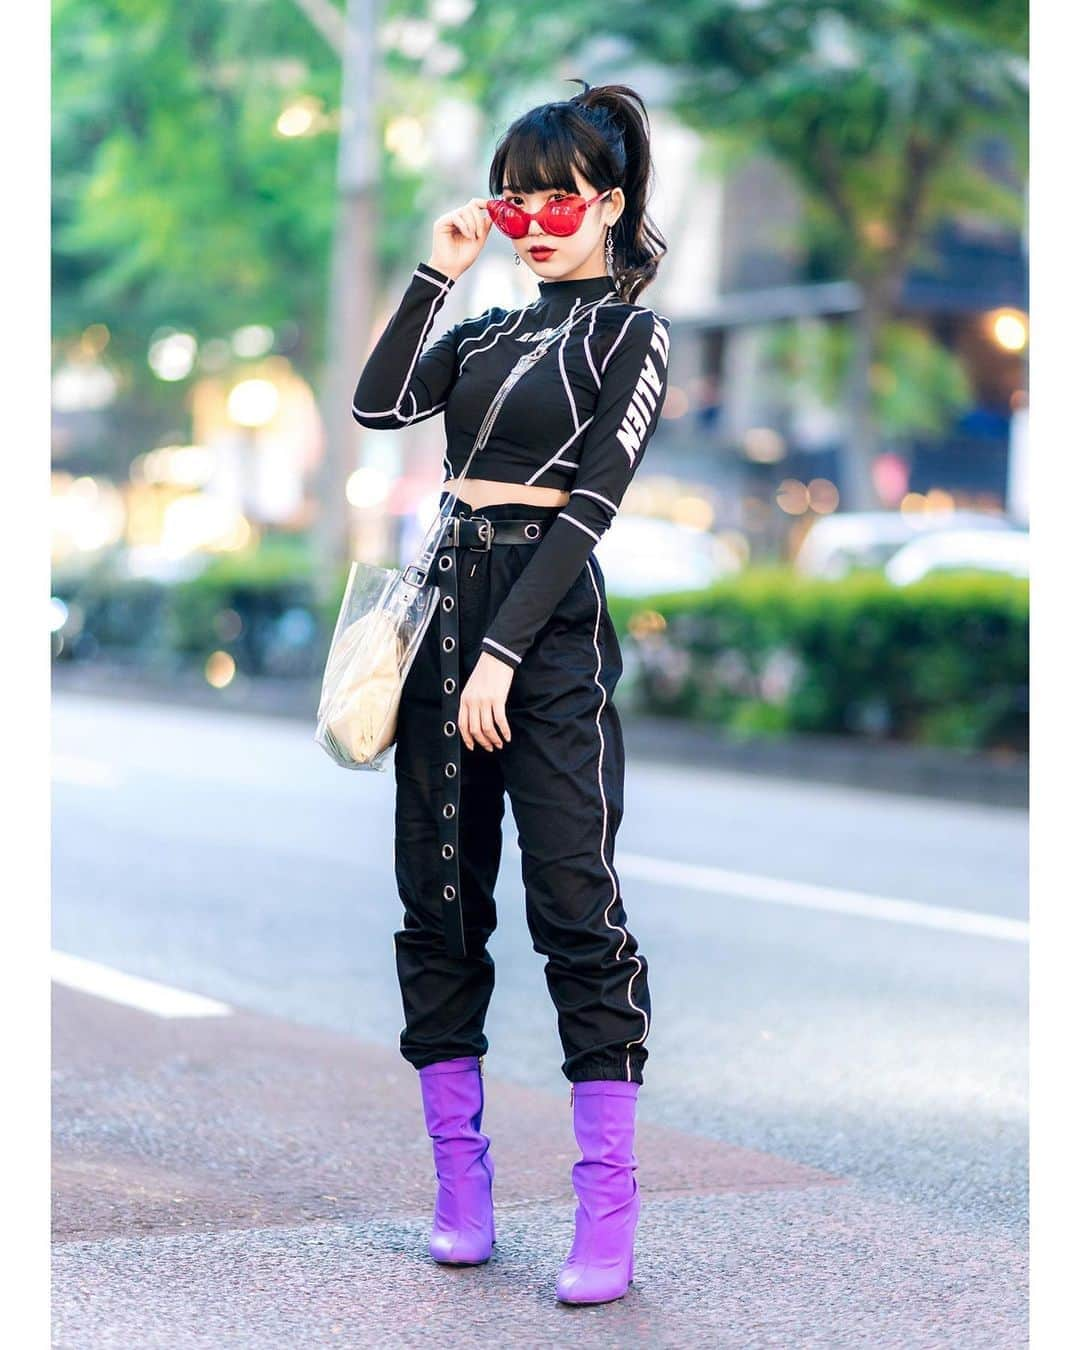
[[486, 531]]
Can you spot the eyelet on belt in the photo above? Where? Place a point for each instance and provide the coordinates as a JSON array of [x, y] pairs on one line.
[[448, 892], [448, 851], [448, 644], [448, 810], [445, 562], [448, 603], [451, 770], [532, 530], [449, 728], [449, 685]]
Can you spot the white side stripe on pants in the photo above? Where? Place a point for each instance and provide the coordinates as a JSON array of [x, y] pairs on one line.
[[618, 928]]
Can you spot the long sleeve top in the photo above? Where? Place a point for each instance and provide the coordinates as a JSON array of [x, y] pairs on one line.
[[578, 420]]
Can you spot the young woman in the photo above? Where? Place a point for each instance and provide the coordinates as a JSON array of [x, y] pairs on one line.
[[523, 621]]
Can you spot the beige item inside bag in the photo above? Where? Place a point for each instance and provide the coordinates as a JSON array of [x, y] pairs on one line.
[[363, 715]]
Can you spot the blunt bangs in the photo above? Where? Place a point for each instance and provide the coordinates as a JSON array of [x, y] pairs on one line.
[[537, 155]]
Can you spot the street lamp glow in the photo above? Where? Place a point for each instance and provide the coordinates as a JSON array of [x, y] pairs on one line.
[[1009, 329], [253, 403]]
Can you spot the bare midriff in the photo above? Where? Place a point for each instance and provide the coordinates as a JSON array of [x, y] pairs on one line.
[[481, 492]]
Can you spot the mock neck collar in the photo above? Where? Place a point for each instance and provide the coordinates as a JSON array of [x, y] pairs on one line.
[[586, 288]]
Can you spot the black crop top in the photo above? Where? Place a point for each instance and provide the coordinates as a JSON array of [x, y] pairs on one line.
[[579, 420]]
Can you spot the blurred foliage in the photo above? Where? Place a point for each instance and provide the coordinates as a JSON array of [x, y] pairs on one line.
[[176, 202], [1005, 22], [941, 662], [880, 114], [918, 386]]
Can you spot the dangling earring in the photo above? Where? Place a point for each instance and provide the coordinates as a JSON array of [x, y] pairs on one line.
[[517, 259], [609, 252]]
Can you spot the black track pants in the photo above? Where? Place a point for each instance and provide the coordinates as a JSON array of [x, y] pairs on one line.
[[563, 770]]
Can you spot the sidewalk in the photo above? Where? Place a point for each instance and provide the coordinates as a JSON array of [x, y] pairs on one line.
[[241, 1181], [914, 770]]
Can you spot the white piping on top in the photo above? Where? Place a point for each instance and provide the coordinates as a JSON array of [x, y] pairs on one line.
[[493, 325], [492, 643], [588, 492], [587, 345], [562, 369], [622, 331], [443, 283], [555, 457], [591, 533]]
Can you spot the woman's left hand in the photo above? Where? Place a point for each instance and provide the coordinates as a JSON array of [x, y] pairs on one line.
[[482, 709]]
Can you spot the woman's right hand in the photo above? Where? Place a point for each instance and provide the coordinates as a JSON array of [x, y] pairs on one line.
[[458, 237]]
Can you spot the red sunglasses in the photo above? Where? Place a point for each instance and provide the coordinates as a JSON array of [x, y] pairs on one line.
[[554, 217]]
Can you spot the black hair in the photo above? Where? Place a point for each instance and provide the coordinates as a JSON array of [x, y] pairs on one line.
[[603, 132]]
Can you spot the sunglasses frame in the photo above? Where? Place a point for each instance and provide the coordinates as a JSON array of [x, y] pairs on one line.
[[499, 206]]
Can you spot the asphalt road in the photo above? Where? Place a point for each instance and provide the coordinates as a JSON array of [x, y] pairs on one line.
[[836, 1093]]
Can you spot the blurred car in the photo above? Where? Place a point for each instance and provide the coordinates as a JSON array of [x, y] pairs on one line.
[[960, 550], [837, 544], [642, 555]]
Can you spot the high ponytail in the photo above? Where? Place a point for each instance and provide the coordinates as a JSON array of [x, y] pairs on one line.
[[603, 131], [639, 245]]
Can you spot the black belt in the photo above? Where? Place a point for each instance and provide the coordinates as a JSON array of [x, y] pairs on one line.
[[474, 533], [477, 532]]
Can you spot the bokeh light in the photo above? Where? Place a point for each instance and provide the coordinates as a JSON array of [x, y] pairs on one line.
[[220, 669], [253, 403], [793, 497]]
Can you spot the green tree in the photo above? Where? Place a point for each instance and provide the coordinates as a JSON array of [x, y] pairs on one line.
[[174, 200], [881, 111], [880, 115]]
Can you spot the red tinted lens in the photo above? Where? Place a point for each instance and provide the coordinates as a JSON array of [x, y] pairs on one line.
[[508, 218], [562, 217]]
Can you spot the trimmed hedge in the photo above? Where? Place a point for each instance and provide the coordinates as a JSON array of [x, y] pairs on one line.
[[941, 662]]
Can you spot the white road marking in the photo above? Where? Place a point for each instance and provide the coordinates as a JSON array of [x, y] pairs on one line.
[[775, 891], [132, 990], [83, 772]]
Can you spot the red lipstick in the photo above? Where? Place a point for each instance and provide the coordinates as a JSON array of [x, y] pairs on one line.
[[541, 252]]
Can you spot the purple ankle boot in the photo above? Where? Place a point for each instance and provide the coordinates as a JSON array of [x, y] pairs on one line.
[[453, 1096], [600, 1265]]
